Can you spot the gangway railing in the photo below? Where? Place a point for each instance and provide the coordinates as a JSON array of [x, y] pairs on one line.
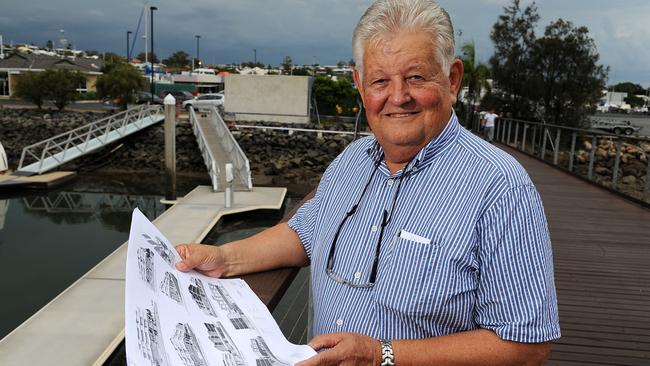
[[620, 163], [204, 147], [60, 149], [236, 156], [92, 203], [218, 148]]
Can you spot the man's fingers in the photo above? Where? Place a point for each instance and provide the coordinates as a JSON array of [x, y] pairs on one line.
[[325, 341], [189, 260], [321, 359]]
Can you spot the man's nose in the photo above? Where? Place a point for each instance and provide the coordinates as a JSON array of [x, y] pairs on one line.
[[399, 92]]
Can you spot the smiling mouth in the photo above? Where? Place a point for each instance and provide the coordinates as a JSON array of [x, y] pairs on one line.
[[401, 115]]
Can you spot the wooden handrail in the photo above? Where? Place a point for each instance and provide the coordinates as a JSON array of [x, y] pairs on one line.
[[270, 286]]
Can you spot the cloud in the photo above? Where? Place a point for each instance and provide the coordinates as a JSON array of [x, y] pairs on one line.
[[307, 30]]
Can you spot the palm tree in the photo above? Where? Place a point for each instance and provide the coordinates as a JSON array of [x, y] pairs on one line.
[[475, 75]]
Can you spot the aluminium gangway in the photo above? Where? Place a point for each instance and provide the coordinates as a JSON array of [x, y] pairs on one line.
[[219, 147], [49, 154]]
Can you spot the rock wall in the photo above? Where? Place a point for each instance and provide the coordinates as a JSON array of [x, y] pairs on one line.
[[276, 157], [633, 165]]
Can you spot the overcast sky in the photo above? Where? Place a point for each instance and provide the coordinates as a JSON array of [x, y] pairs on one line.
[[310, 31]]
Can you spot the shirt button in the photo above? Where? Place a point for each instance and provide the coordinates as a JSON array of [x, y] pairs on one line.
[[415, 169], [389, 182], [357, 275], [339, 322], [373, 228]]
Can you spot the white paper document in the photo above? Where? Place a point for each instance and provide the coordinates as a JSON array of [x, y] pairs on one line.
[[176, 318]]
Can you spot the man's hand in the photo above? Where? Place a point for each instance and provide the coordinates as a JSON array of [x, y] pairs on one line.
[[344, 349], [203, 258]]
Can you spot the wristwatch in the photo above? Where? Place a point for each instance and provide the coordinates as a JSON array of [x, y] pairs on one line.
[[387, 357]]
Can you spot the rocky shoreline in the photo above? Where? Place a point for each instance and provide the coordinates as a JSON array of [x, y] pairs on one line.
[[276, 158]]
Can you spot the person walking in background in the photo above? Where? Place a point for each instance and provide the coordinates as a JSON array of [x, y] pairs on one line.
[[488, 124]]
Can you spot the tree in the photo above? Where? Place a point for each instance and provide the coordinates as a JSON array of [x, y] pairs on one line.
[[475, 75], [151, 56], [112, 57], [514, 38], [252, 64], [570, 80], [120, 82], [340, 64], [179, 59], [634, 101], [329, 93], [29, 87], [61, 86], [301, 71], [50, 45], [287, 63], [630, 88]]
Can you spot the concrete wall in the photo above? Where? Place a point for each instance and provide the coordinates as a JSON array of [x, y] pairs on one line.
[[272, 98]]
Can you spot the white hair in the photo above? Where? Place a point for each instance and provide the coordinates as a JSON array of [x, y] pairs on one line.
[[388, 17]]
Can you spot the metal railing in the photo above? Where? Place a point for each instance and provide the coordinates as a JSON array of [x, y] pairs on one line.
[[206, 152], [50, 153], [92, 203], [291, 130], [619, 163], [236, 156]]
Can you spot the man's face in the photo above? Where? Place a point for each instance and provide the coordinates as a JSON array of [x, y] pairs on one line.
[[408, 98]]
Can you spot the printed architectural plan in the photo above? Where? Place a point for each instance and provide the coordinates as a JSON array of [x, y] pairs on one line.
[[188, 319]]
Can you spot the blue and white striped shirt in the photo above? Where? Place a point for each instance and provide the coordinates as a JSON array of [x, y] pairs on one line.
[[467, 247]]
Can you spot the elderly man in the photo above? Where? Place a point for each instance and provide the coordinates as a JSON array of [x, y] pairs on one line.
[[427, 245]]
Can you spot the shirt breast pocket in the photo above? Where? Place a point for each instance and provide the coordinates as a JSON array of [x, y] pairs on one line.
[[406, 272]]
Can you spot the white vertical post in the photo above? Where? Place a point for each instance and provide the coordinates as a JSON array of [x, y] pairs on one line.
[[229, 194], [4, 165], [170, 146]]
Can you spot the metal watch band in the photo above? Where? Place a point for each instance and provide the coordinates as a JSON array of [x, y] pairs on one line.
[[387, 357]]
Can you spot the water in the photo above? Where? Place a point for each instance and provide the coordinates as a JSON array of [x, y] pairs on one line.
[[47, 242]]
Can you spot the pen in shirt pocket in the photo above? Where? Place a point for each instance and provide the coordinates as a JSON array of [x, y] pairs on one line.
[[414, 237]]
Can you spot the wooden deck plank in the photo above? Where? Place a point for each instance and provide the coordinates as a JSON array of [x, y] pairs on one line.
[[601, 246]]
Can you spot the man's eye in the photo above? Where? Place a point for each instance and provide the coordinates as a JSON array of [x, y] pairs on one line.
[[379, 82], [415, 78]]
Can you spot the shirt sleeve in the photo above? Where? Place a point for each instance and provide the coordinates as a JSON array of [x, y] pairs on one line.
[[304, 220], [516, 296]]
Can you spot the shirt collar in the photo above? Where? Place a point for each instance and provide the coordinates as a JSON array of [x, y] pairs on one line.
[[429, 152]]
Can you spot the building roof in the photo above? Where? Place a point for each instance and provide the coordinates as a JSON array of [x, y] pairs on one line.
[[27, 61]]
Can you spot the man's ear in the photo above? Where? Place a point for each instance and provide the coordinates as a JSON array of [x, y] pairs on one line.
[[357, 82], [455, 78]]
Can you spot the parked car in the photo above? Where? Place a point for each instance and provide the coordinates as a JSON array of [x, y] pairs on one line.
[[615, 126], [145, 97], [181, 95], [205, 101]]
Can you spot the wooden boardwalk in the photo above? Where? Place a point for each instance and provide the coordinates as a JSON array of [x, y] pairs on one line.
[[601, 245]]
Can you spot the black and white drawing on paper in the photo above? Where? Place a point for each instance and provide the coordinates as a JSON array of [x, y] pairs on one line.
[[187, 346], [266, 357], [197, 291], [236, 316], [150, 340], [169, 286], [223, 342], [163, 251], [145, 266]]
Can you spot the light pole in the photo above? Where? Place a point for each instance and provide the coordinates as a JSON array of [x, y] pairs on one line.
[[197, 49], [152, 8], [128, 41], [255, 56]]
